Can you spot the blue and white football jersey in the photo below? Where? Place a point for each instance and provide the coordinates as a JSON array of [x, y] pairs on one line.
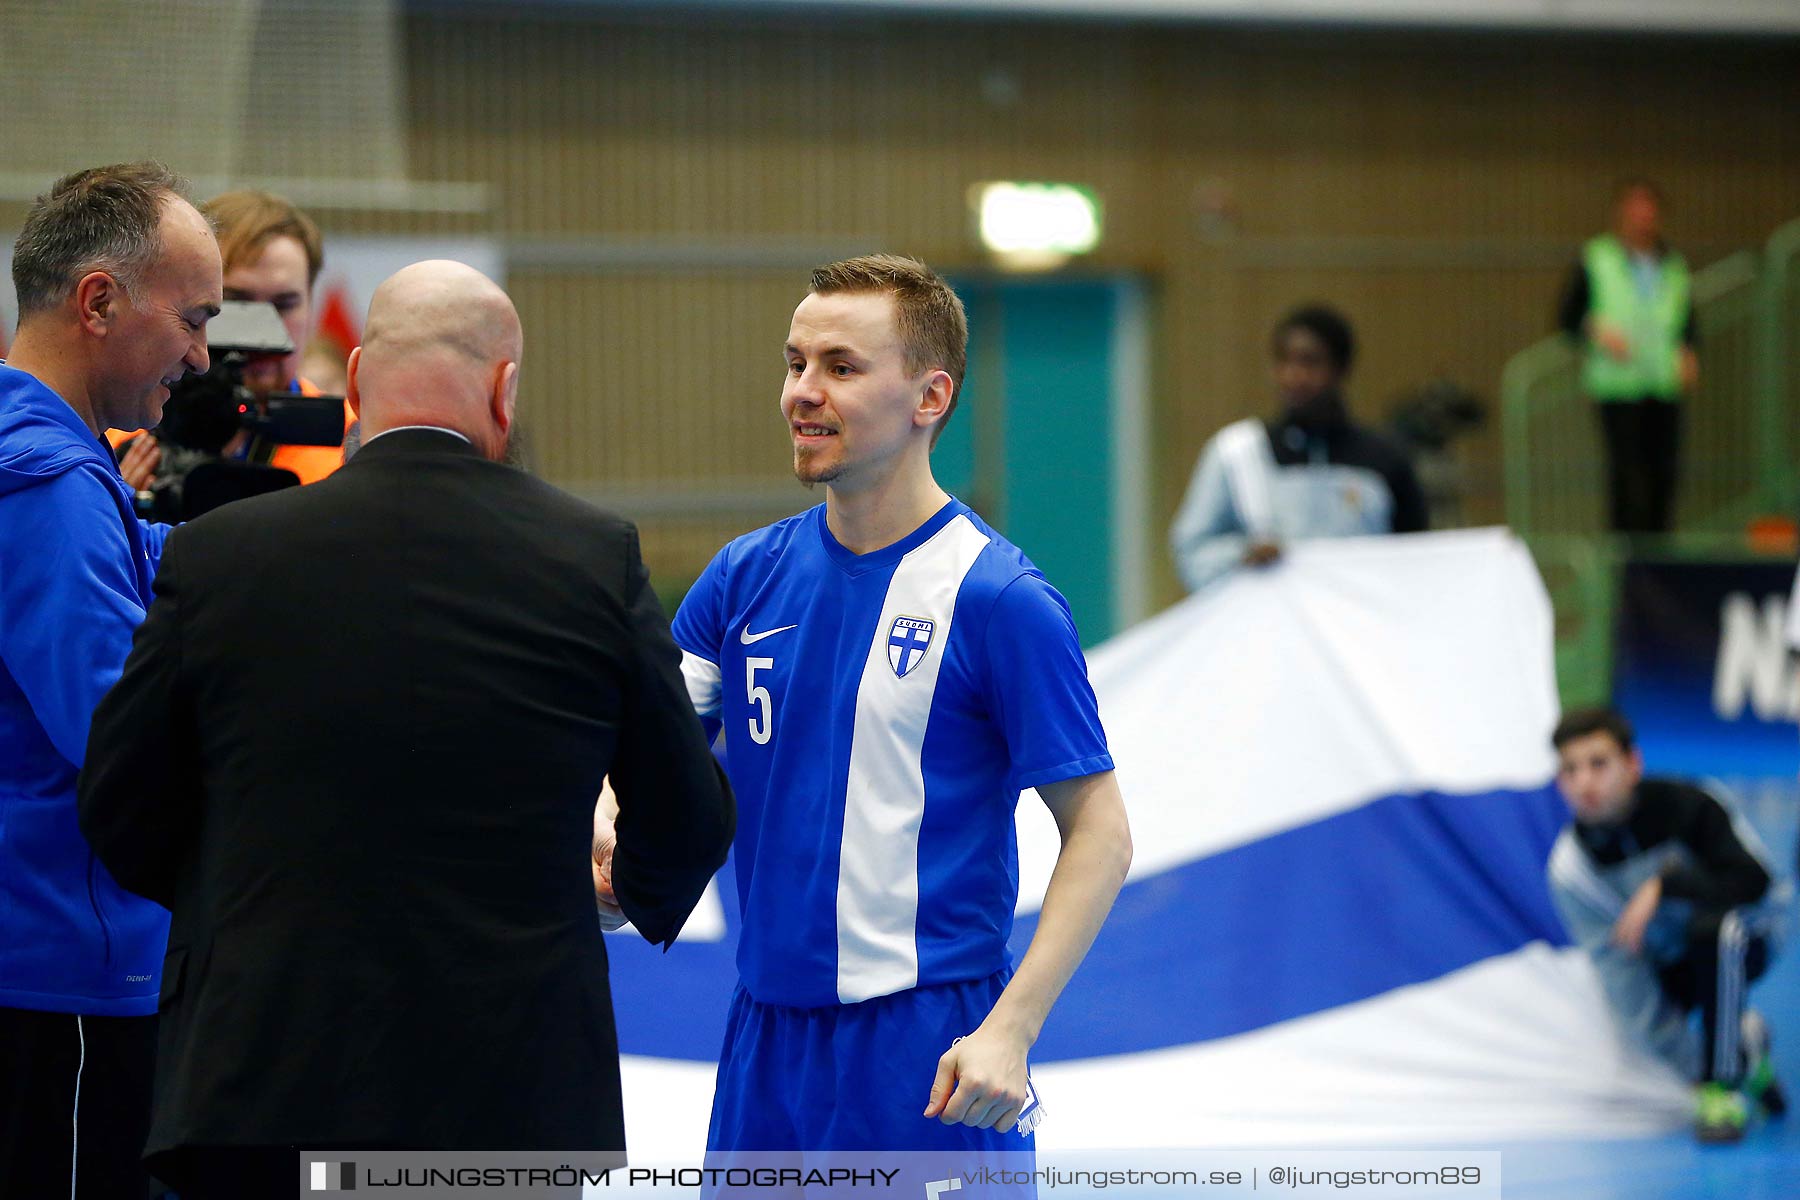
[[881, 714]]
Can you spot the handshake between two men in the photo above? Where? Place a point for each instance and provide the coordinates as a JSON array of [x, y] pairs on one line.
[[356, 748]]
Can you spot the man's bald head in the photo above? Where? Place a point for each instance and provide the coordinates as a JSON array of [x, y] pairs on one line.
[[441, 347]]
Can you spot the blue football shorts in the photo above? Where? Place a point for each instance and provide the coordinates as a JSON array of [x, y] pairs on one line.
[[849, 1076]]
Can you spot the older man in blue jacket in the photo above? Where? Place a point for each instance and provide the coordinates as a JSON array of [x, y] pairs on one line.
[[117, 276]]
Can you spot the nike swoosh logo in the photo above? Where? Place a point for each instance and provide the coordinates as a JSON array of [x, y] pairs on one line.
[[750, 639]]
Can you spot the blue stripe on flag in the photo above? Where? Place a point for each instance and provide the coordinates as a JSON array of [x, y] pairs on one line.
[[1399, 891]]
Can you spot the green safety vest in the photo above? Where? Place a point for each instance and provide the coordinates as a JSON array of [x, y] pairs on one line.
[[1651, 323]]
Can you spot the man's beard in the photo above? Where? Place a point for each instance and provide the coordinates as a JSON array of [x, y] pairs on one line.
[[1319, 412], [809, 476]]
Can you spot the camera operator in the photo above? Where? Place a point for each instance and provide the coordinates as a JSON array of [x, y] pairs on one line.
[[272, 253], [208, 413], [117, 276]]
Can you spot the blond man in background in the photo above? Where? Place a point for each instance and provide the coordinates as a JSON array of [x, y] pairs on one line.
[[273, 253]]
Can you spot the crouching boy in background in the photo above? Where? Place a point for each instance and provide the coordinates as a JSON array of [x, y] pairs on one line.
[[1673, 897]]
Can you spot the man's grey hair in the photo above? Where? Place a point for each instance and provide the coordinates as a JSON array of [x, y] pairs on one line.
[[102, 219]]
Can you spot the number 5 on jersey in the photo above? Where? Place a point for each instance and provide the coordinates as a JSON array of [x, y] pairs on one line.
[[762, 725]]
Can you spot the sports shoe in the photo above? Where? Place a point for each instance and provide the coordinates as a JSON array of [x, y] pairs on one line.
[[1760, 1085], [1720, 1114]]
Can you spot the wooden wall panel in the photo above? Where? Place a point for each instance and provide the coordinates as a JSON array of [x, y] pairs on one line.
[[1435, 185], [633, 379]]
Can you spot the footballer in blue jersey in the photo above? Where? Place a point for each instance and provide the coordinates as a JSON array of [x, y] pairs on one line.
[[889, 673]]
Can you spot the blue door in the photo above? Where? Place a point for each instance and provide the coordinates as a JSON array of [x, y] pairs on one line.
[[1048, 442]]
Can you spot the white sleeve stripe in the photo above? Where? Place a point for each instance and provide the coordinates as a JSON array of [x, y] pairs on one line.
[[703, 683]]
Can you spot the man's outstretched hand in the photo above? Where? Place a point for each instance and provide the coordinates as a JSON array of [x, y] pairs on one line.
[[605, 839]]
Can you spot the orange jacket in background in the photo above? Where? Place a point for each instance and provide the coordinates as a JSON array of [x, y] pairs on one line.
[[313, 463], [310, 463]]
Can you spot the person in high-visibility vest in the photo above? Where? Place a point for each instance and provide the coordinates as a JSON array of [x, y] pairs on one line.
[[1630, 303], [272, 254]]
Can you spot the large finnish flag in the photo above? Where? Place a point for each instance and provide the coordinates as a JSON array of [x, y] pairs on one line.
[[1336, 928]]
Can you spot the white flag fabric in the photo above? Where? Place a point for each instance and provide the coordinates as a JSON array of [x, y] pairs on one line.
[[1336, 929]]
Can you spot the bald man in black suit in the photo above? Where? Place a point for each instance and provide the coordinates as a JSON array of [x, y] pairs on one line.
[[356, 751]]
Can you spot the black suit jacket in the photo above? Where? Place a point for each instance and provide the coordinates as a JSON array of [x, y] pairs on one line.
[[356, 750]]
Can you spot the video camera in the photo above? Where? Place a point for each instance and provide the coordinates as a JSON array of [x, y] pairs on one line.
[[205, 412]]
